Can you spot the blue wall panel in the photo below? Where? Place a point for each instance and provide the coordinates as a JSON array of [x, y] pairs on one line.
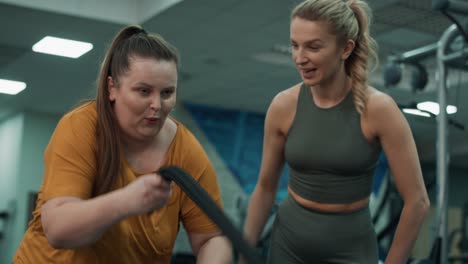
[[238, 138]]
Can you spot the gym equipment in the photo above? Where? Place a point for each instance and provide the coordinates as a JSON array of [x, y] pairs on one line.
[[392, 74], [445, 56], [195, 192]]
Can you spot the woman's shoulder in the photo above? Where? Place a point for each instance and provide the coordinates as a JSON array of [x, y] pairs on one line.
[[85, 111], [285, 99], [381, 108], [379, 101], [82, 118], [76, 130], [186, 143], [182, 132], [187, 151]]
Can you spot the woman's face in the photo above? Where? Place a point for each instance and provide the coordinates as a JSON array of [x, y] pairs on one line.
[[144, 96], [315, 51]]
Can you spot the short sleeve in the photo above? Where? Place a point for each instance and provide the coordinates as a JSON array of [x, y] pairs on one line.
[[70, 157], [196, 163], [194, 219]]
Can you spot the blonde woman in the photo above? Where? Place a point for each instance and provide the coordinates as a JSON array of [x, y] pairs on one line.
[[330, 130]]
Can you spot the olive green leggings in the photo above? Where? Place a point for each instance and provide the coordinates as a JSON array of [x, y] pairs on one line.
[[301, 235]]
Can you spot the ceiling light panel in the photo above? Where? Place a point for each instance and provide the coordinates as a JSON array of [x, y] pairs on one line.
[[62, 47], [11, 87]]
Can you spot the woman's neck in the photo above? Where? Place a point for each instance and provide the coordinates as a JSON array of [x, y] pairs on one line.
[[332, 90], [148, 155], [134, 145]]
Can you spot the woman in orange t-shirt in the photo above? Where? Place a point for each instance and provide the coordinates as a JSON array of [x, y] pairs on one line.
[[101, 200]]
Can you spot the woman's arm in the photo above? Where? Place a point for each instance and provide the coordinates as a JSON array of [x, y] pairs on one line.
[[71, 222], [397, 141], [211, 248], [263, 196]]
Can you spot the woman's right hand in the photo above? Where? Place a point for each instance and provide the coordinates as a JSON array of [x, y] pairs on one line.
[[71, 222], [147, 193]]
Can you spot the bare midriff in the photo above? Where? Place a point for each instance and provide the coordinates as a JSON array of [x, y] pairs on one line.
[[327, 207]]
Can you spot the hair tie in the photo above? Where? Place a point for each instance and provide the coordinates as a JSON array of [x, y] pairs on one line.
[[142, 31]]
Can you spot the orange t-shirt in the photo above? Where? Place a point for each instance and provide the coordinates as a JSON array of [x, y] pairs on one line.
[[70, 170]]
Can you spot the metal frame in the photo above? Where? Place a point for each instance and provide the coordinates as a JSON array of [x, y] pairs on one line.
[[445, 57], [442, 148], [455, 59], [415, 55]]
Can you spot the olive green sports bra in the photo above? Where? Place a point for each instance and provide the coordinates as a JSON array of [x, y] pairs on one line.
[[329, 158]]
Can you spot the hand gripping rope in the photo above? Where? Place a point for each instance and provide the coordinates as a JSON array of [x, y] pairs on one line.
[[198, 195]]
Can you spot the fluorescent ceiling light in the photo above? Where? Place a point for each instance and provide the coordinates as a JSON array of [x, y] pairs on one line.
[[62, 47], [416, 112], [11, 87], [434, 108]]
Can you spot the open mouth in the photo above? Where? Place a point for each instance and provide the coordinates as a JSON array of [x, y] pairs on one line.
[[309, 73]]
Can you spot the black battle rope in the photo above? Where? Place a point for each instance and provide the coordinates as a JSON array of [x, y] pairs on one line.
[[211, 209]]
